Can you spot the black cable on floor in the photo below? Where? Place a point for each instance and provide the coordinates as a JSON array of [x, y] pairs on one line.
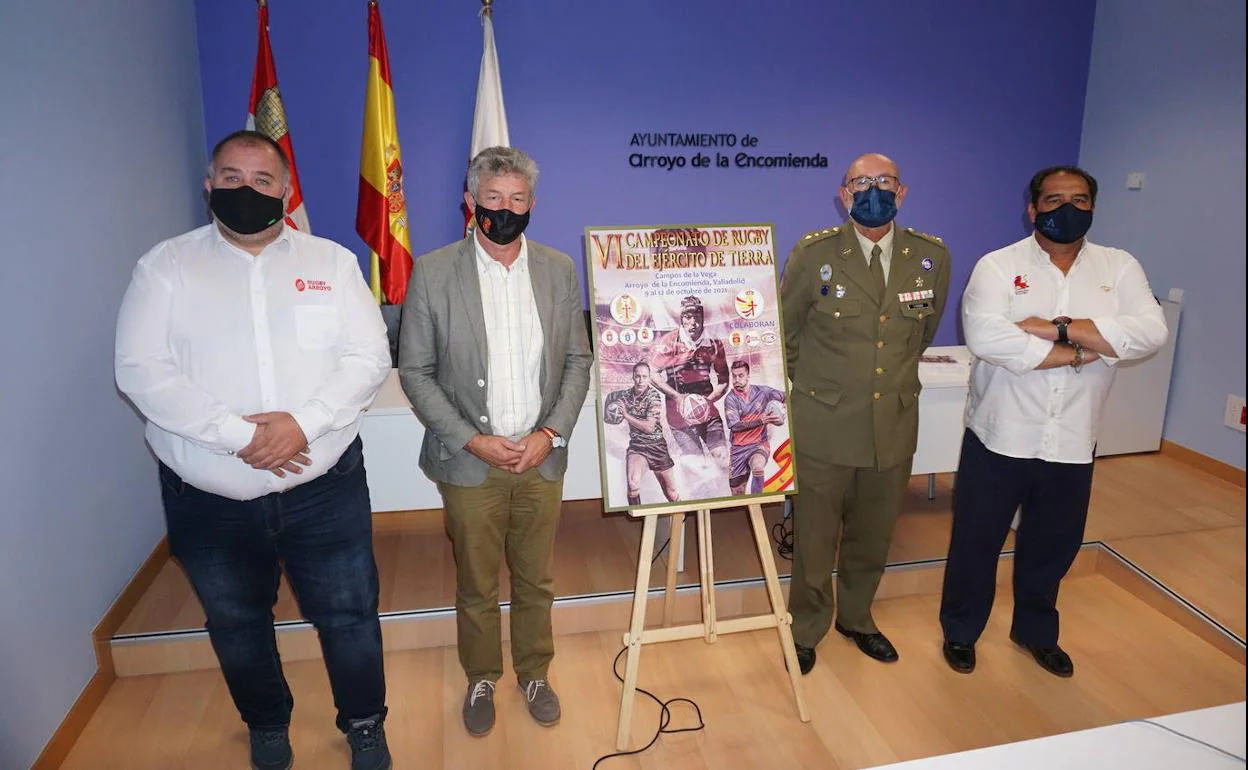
[[665, 715], [662, 548], [782, 532], [1185, 736]]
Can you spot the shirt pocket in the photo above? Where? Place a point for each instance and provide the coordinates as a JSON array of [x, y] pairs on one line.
[[837, 309], [317, 327]]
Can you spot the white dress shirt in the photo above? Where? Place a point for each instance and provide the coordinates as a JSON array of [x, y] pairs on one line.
[[208, 333], [885, 244], [1050, 414], [513, 341]]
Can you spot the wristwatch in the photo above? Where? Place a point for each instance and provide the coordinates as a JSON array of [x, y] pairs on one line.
[[1063, 325], [556, 441]]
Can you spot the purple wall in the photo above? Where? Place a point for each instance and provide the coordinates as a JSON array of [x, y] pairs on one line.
[[970, 97], [1166, 98]]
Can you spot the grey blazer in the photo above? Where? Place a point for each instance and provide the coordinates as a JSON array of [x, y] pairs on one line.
[[442, 356]]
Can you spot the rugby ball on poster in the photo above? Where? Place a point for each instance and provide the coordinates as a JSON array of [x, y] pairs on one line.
[[695, 408], [614, 414], [777, 408]]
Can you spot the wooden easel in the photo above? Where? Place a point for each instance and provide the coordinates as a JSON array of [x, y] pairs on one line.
[[710, 627]]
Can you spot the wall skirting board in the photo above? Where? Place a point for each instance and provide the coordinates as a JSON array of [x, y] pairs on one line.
[[1224, 471]]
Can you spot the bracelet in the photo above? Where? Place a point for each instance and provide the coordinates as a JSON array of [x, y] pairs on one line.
[[1077, 364]]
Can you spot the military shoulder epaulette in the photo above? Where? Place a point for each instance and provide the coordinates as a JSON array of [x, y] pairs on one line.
[[818, 234], [932, 238]]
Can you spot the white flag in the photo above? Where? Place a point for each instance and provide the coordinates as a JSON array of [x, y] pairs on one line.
[[489, 120]]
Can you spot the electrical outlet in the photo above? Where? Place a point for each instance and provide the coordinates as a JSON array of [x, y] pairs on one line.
[[1235, 413]]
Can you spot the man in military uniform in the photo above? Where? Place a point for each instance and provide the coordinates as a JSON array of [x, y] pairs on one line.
[[861, 302]]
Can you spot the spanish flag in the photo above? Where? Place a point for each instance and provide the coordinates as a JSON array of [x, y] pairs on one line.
[[266, 114], [381, 213]]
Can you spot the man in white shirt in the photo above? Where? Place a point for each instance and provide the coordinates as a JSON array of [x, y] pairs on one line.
[[1046, 319], [494, 356], [251, 349]]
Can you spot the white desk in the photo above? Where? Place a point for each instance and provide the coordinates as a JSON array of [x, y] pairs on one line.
[[392, 434], [1125, 746], [392, 437], [942, 404]]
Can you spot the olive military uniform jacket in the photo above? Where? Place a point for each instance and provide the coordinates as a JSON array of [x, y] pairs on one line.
[[853, 356]]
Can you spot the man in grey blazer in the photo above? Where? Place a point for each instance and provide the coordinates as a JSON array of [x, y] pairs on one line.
[[494, 356]]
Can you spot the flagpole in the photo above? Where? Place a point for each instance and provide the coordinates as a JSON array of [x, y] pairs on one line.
[[487, 7]]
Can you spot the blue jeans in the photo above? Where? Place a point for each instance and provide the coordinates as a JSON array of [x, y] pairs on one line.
[[233, 552]]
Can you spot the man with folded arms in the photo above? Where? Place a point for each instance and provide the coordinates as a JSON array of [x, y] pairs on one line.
[[1046, 320]]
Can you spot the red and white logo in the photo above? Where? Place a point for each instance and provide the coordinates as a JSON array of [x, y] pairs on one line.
[[1020, 284], [312, 285]]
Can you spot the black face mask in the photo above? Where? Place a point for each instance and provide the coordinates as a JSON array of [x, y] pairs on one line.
[[501, 226], [1065, 224], [244, 210]]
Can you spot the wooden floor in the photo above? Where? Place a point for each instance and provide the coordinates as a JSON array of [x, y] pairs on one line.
[[1131, 663], [1134, 498], [1182, 526]]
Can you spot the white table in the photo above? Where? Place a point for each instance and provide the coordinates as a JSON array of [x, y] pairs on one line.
[[392, 437], [1124, 746], [942, 404]]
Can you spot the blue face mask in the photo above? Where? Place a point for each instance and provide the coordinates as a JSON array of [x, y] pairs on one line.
[[874, 207], [1065, 224]]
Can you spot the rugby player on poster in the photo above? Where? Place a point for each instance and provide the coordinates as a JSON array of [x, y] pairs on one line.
[[684, 363], [639, 406], [749, 410]]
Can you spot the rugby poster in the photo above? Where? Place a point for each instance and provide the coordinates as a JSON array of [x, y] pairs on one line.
[[692, 394]]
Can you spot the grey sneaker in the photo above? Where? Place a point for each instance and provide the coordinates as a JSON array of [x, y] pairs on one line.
[[270, 749], [367, 739], [479, 707], [543, 703]]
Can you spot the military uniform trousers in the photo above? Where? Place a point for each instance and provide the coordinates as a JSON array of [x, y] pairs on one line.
[[514, 517], [859, 507]]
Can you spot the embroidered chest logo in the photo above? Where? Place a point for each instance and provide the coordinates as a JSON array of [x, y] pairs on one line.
[[312, 285], [1020, 284]]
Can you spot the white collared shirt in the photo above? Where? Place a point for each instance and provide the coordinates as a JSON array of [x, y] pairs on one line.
[[208, 333], [885, 244], [1050, 414], [513, 341]]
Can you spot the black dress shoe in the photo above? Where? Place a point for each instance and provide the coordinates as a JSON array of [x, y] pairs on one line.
[[960, 657], [805, 658], [1052, 659], [873, 645]]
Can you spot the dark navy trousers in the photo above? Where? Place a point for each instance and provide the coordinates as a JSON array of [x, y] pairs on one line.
[[988, 490]]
